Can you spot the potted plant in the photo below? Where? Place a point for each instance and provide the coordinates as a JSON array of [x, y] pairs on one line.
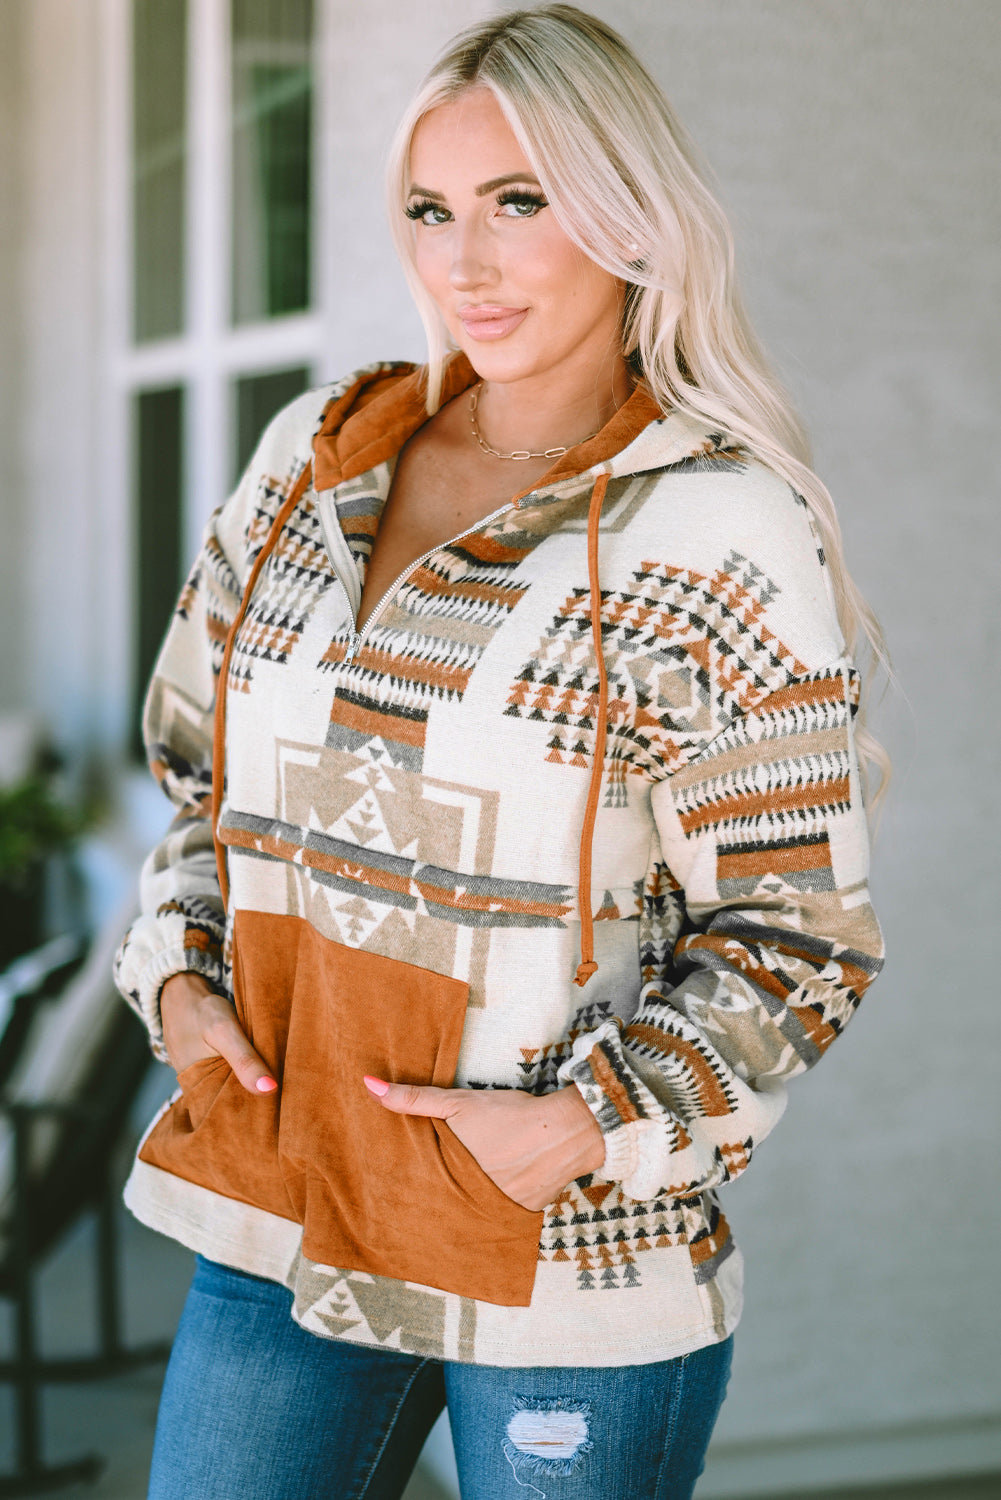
[[35, 827]]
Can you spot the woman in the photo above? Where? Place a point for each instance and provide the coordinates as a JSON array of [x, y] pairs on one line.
[[540, 848]]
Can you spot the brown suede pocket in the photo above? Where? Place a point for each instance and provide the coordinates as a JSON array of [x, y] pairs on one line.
[[200, 1083], [393, 1195]]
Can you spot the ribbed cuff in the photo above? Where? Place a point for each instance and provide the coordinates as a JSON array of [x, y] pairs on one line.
[[621, 1138], [163, 966], [621, 1153]]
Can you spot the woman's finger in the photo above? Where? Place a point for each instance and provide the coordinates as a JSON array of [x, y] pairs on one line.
[[198, 1022], [414, 1098], [225, 1035]]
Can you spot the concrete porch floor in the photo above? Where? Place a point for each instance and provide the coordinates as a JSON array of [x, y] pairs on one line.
[[116, 1417]]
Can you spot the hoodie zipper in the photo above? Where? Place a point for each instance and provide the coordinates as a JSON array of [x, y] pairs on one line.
[[356, 636], [336, 544], [588, 965]]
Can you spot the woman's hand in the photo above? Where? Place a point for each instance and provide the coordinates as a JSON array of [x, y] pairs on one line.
[[531, 1146], [199, 1023]]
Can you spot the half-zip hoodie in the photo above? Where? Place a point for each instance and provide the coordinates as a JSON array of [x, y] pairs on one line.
[[579, 804]]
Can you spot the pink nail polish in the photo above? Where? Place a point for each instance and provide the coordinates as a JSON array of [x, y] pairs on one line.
[[266, 1085], [376, 1086]]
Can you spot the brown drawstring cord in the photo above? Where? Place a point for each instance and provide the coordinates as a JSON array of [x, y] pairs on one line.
[[219, 726], [587, 965]]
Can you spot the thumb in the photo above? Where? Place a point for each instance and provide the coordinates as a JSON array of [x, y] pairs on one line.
[[413, 1098], [230, 1041]]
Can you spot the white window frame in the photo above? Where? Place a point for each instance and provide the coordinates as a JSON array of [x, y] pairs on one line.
[[211, 353]]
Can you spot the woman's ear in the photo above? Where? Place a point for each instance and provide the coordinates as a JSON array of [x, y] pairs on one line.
[[636, 253]]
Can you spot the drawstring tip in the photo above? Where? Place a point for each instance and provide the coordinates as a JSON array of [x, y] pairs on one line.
[[584, 972]]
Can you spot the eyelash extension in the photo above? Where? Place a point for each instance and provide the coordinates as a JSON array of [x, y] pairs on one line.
[[418, 209], [522, 195]]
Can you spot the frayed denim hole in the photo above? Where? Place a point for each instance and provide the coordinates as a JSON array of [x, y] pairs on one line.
[[548, 1437], [533, 1463], [551, 1403]]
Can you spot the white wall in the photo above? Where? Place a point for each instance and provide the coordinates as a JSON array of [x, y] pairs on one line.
[[12, 595], [856, 151], [69, 554]]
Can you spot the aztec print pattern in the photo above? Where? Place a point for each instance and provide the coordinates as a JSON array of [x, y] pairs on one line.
[[294, 577], [173, 725], [426, 646], [177, 728], [423, 801], [775, 955], [769, 816], [594, 1227], [682, 650], [394, 879], [662, 912], [212, 585], [359, 507], [187, 921]]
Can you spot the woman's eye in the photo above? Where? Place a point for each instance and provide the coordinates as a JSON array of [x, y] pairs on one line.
[[512, 204], [427, 213], [521, 205]]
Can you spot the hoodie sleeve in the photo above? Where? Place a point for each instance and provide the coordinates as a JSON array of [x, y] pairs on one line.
[[181, 923], [181, 926], [766, 833]]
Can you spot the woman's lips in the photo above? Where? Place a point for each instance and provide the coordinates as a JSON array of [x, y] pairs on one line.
[[487, 322]]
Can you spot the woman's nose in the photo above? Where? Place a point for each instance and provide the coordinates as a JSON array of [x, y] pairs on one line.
[[472, 264]]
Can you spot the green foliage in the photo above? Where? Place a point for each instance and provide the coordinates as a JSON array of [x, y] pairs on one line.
[[33, 825]]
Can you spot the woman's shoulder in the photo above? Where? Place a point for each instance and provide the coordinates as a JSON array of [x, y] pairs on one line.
[[736, 534], [776, 548]]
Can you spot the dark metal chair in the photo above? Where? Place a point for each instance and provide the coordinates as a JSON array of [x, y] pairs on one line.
[[61, 1166]]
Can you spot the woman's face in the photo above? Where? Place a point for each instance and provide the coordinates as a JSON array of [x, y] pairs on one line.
[[517, 295]]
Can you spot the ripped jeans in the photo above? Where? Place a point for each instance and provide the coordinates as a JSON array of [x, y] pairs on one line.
[[254, 1408]]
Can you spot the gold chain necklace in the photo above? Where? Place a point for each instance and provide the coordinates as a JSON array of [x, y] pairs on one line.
[[520, 453]]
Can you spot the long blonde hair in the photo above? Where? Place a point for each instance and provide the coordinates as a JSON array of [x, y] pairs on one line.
[[628, 186]]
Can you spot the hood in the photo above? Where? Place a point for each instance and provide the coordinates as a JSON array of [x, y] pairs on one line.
[[384, 406]]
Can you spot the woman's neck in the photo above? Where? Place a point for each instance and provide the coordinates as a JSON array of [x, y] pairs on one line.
[[546, 411]]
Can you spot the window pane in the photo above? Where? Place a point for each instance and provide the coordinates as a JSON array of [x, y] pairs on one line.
[[272, 149], [158, 111], [159, 424], [258, 397]]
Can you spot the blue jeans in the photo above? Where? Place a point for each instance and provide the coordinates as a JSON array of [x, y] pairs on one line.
[[254, 1408]]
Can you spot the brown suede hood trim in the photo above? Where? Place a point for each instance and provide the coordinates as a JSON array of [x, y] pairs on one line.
[[370, 423]]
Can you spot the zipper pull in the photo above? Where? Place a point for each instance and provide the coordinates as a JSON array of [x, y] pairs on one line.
[[354, 640]]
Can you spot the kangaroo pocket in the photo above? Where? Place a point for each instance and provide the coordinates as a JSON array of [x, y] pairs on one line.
[[393, 1195]]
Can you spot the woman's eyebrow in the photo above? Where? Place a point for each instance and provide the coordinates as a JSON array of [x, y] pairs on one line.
[[496, 182], [485, 187]]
